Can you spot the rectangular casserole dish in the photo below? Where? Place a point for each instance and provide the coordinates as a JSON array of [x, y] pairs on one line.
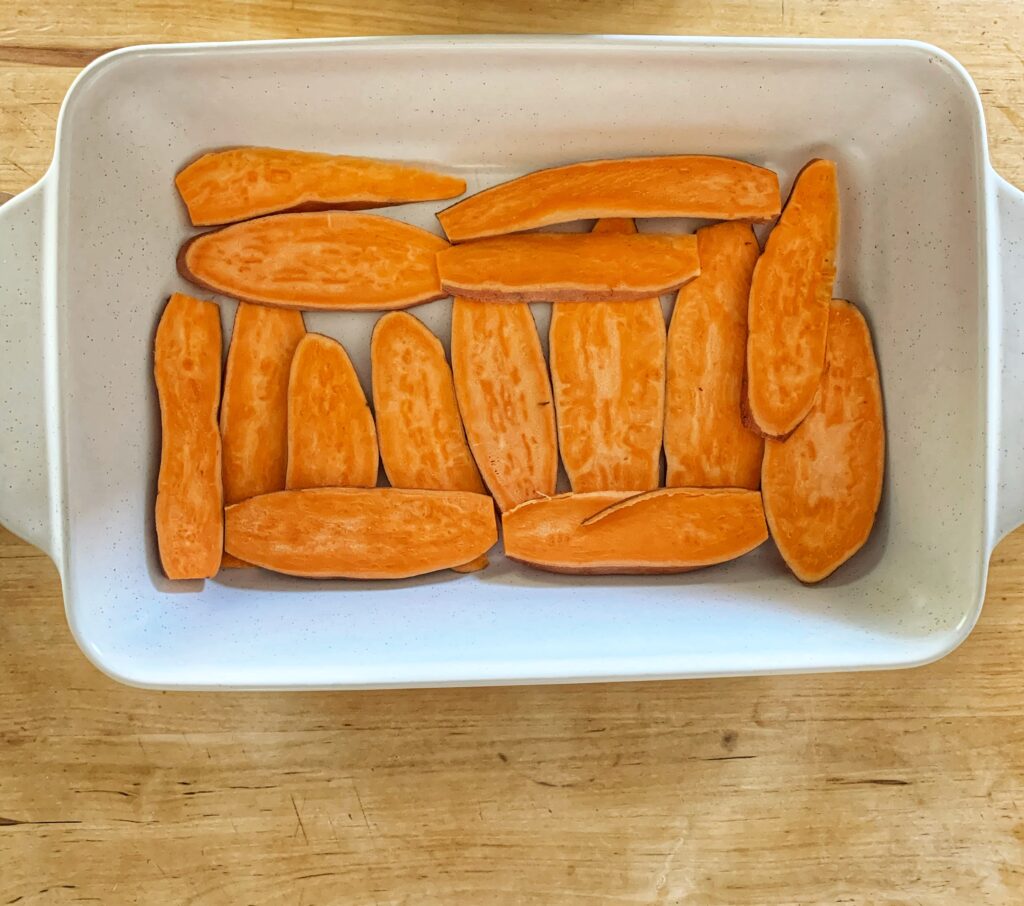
[[932, 250]]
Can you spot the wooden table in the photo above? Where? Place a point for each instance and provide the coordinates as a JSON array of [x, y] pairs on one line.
[[865, 788]]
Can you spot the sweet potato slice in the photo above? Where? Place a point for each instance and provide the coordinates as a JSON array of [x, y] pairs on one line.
[[253, 413], [669, 530], [370, 533], [320, 261], [422, 443], [568, 267], [715, 188], [504, 394], [242, 183], [789, 303], [608, 377], [706, 443], [822, 485], [331, 438], [189, 498]]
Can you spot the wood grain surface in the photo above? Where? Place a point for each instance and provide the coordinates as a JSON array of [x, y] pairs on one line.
[[861, 788]]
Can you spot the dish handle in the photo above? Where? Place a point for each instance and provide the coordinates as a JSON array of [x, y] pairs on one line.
[[1009, 267], [24, 458]]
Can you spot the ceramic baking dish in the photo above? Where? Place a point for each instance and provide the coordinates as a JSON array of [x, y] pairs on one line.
[[932, 249]]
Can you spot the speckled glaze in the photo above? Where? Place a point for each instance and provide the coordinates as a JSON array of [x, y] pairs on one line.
[[932, 250]]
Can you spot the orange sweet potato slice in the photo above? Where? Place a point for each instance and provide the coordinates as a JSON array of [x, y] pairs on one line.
[[332, 441], [669, 530], [422, 442], [568, 267], [189, 498], [706, 443], [715, 188], [822, 485], [789, 303], [332, 260], [253, 413], [368, 533], [608, 377], [242, 183], [504, 394]]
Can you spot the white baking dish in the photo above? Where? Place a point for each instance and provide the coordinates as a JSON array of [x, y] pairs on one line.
[[932, 249]]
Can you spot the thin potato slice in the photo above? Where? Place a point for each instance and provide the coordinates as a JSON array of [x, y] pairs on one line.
[[822, 485], [332, 441], [608, 377], [789, 304], [422, 441], [706, 443], [504, 394], [241, 183], [254, 410], [669, 530], [361, 533], [330, 261], [715, 188], [568, 267], [189, 497]]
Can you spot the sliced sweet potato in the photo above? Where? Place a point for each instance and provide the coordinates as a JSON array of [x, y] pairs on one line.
[[422, 443], [254, 410], [789, 303], [369, 533], [822, 485], [608, 377], [254, 413], [715, 188], [331, 438], [332, 260], [504, 394], [669, 530], [568, 267], [242, 183], [189, 497], [706, 443]]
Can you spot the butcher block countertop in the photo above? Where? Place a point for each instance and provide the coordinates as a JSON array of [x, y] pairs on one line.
[[901, 787]]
